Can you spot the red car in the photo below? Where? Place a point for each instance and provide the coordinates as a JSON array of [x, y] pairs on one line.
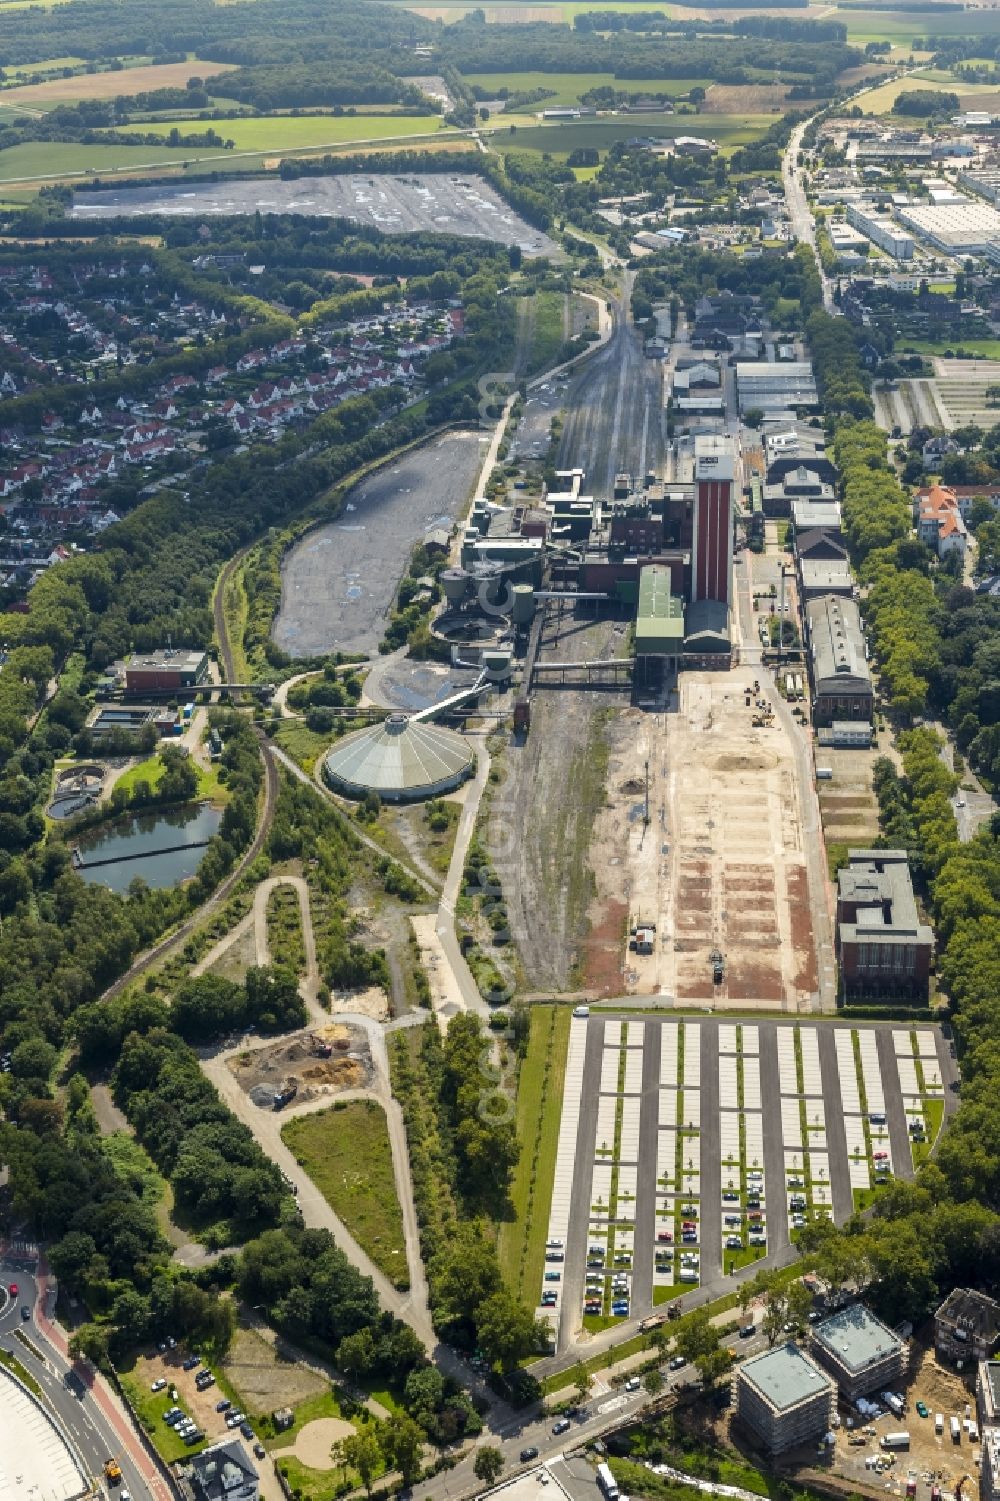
[[13, 1289]]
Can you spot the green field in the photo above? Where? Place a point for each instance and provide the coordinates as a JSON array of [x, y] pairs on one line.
[[346, 1152], [881, 100], [568, 87], [280, 132], [54, 159], [539, 1106], [985, 349], [901, 26], [559, 140]]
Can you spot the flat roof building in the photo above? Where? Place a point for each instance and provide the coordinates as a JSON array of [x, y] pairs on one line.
[[880, 230], [988, 1392], [964, 228], [860, 1353], [966, 1326], [825, 576], [784, 1398], [989, 1474], [785, 384], [167, 670], [883, 948], [812, 514]]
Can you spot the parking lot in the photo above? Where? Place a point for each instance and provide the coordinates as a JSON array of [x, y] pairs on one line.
[[459, 204], [691, 1149]]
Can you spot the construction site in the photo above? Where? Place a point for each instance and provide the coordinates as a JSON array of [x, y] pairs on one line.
[[306, 1066], [701, 843]]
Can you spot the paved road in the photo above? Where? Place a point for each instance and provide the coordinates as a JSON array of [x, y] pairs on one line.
[[799, 212], [445, 925], [91, 1414]]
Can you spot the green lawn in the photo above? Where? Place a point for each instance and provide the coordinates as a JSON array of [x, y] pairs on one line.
[[346, 1152], [303, 745], [277, 132], [39, 159], [21, 1372], [569, 87], [285, 940], [210, 788], [150, 1407], [539, 1106], [986, 349], [559, 140], [546, 311]]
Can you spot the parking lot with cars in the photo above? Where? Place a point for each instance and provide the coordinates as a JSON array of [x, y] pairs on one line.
[[690, 1149]]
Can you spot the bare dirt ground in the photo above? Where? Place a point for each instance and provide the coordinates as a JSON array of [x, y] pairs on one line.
[[261, 1071], [110, 85], [542, 813], [847, 803], [266, 1378], [109, 1117], [314, 1442], [720, 865], [745, 98]]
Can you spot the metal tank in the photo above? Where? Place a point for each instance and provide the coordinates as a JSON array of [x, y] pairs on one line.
[[524, 604], [455, 583]]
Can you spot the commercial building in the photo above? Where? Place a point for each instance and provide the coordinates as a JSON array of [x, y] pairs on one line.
[[170, 670], [810, 515], [982, 180], [883, 947], [965, 228], [966, 1326], [712, 537], [222, 1472], [818, 576], [893, 149], [38, 1457], [881, 231], [842, 684], [988, 1393], [784, 1398], [659, 625], [989, 1474], [846, 734], [860, 1353], [784, 385]]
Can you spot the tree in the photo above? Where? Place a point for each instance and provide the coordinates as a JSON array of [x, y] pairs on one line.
[[402, 1442], [653, 1382], [356, 1353], [488, 1464], [507, 1330], [696, 1337], [753, 417], [581, 1381], [362, 1452]]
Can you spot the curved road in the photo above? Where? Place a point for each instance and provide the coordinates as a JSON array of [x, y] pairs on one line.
[[82, 1404]]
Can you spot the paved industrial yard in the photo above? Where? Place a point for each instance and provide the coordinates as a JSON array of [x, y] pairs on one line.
[[339, 582], [457, 205], [679, 1138], [721, 866]]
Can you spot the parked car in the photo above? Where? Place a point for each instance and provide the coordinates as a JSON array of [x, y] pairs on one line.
[[159, 1385], [562, 1426], [527, 1455], [676, 1363]]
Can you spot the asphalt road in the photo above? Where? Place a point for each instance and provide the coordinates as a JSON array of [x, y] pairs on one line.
[[79, 1411], [614, 414]]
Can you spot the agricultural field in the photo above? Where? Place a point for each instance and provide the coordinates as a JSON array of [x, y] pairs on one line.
[[108, 85], [971, 95], [560, 140], [281, 132], [39, 161], [568, 88]]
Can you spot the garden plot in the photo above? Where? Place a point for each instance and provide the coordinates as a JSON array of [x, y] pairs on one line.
[[959, 391]]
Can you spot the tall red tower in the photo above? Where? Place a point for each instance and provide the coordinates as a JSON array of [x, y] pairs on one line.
[[712, 539]]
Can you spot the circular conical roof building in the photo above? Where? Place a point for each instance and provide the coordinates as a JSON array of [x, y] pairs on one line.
[[401, 759]]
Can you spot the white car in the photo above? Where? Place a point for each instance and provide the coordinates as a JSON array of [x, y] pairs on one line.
[[159, 1384]]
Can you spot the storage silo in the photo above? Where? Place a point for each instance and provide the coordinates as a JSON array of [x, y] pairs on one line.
[[455, 583], [401, 759], [524, 604]]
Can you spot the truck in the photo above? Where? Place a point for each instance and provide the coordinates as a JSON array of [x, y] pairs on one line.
[[607, 1483], [112, 1471], [939, 1422], [956, 1431], [898, 1440], [894, 1402], [285, 1094]]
